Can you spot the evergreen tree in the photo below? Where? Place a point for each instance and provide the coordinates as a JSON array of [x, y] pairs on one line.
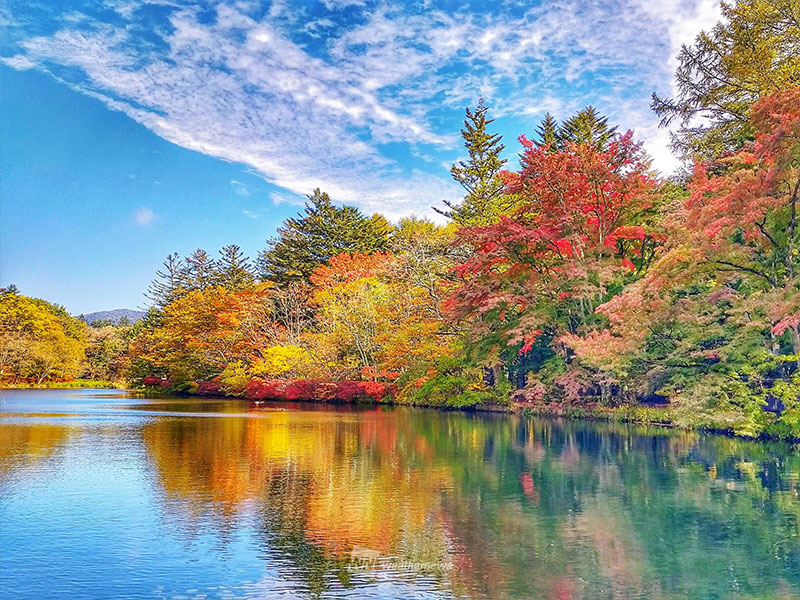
[[233, 271], [311, 239], [547, 134], [169, 284], [200, 270], [752, 52], [478, 174], [587, 127]]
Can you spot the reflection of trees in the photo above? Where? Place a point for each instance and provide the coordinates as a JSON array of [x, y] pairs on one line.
[[516, 507], [24, 445], [322, 483]]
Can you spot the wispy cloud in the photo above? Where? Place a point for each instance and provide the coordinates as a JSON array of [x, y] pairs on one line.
[[279, 198], [315, 100], [144, 217], [239, 188]]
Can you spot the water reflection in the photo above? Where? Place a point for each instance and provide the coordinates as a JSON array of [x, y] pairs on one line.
[[310, 500], [25, 446]]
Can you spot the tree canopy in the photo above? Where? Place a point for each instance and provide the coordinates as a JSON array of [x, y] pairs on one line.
[[314, 237]]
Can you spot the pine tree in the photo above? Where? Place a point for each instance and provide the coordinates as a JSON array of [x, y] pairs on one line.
[[313, 238], [587, 127], [478, 174], [547, 134], [233, 271], [169, 284], [200, 270]]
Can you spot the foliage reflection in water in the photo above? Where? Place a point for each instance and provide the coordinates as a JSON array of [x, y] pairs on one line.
[[109, 496]]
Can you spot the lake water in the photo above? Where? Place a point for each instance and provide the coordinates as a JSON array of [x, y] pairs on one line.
[[107, 496]]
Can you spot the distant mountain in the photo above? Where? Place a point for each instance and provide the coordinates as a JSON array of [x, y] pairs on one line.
[[114, 315]]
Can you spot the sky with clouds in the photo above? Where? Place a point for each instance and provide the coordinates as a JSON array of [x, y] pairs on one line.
[[146, 126]]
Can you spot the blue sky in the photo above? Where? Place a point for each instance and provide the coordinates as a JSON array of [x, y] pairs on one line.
[[134, 128]]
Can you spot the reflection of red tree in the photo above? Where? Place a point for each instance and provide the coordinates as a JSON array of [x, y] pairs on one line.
[[528, 488], [563, 589], [379, 430]]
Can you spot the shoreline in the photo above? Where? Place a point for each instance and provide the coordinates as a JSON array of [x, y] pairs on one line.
[[655, 416]]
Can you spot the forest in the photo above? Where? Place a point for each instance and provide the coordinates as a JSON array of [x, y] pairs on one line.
[[580, 281]]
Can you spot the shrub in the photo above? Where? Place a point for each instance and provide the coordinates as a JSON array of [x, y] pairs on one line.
[[261, 389], [152, 381], [209, 388], [234, 379]]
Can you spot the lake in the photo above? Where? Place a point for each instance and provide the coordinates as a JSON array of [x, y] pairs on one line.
[[103, 495]]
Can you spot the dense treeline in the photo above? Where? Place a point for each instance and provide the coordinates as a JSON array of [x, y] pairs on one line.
[[40, 342], [580, 277]]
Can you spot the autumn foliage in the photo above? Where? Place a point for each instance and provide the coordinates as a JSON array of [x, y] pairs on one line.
[[325, 391], [582, 278]]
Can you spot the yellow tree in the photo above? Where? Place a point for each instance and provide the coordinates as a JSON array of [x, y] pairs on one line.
[[38, 340]]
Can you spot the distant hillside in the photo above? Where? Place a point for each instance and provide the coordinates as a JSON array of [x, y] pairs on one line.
[[114, 315]]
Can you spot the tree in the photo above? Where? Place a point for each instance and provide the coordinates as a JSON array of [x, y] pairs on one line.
[[547, 134], [193, 338], [233, 270], [746, 219], [200, 270], [587, 127], [478, 174], [752, 52], [425, 256], [542, 270], [312, 239], [38, 340], [107, 351], [291, 308], [715, 321], [169, 284], [348, 294]]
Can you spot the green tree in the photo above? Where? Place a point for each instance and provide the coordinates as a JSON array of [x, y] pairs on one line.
[[547, 134], [587, 126], [484, 199], [233, 271], [169, 284], [313, 238], [752, 52]]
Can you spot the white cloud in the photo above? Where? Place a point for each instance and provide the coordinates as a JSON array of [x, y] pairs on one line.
[[19, 62], [248, 91], [144, 216]]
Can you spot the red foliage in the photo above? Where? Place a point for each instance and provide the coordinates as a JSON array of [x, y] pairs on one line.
[[271, 389], [348, 391], [529, 340], [789, 322], [209, 388], [301, 389], [307, 389], [582, 219], [152, 381], [627, 263], [758, 181]]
